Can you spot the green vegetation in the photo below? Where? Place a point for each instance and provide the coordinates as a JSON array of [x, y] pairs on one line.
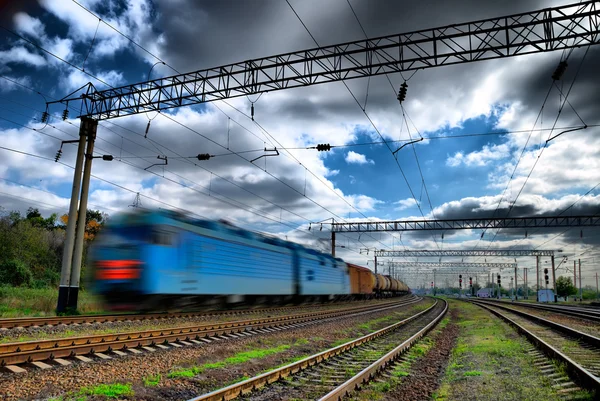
[[151, 381], [115, 390], [491, 362], [31, 248], [565, 287], [237, 359], [21, 301]]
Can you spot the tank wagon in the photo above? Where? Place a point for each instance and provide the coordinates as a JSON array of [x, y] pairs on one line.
[[148, 260]]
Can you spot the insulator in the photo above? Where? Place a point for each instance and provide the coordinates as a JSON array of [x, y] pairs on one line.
[[252, 111], [147, 129], [45, 116], [203, 156], [58, 154], [323, 147], [107, 158], [65, 114], [560, 70]]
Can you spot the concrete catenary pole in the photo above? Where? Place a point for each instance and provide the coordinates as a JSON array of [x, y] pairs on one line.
[[65, 273], [554, 278], [92, 125], [575, 273], [333, 244], [537, 278], [516, 297], [580, 287], [525, 279]]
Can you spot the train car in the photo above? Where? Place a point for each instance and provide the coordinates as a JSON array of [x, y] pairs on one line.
[[362, 281], [152, 257], [156, 259]]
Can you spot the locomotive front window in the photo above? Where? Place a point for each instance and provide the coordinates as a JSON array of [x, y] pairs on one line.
[[160, 237]]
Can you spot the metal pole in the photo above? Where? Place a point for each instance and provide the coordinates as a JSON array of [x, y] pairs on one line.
[[516, 297], [526, 288], [333, 243], [537, 278], [580, 287], [554, 279], [375, 264], [575, 273], [65, 272], [90, 128], [435, 284], [597, 292]]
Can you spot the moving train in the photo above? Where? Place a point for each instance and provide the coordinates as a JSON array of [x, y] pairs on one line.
[[151, 260]]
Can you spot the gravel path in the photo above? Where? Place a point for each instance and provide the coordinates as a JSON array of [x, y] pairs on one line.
[[42, 384], [426, 372]]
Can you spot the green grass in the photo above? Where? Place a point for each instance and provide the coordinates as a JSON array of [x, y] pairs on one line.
[[152, 381], [490, 362], [472, 373], [19, 301], [115, 390], [237, 359]]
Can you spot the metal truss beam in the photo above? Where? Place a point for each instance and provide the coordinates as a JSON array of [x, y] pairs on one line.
[[440, 272], [489, 252], [462, 265], [467, 224], [557, 28]]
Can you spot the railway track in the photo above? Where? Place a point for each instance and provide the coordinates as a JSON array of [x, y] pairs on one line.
[[41, 351], [330, 374], [580, 352], [573, 311], [24, 322]]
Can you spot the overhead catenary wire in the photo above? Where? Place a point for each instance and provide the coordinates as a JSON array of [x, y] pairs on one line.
[[367, 116], [148, 53], [239, 204]]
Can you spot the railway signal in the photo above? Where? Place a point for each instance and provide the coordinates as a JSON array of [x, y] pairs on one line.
[[460, 280], [546, 276]]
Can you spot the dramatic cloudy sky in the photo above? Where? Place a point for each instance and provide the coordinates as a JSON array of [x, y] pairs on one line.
[[359, 179]]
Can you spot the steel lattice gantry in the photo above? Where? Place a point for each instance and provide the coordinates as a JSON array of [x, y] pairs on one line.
[[556, 28], [544, 30], [465, 224], [484, 252], [463, 265]]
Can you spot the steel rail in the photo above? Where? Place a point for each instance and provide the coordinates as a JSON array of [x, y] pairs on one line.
[[588, 338], [246, 386], [9, 323], [581, 375], [29, 351], [382, 364], [588, 315]]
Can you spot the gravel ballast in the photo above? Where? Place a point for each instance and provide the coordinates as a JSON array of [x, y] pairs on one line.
[[132, 369]]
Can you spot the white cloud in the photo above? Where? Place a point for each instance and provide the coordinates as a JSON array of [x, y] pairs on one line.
[[481, 157], [357, 158], [20, 54], [404, 204]]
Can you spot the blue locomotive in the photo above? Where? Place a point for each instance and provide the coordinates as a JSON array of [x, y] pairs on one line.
[[154, 259]]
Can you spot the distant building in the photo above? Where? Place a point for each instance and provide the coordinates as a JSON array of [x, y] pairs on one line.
[[485, 293], [545, 296]]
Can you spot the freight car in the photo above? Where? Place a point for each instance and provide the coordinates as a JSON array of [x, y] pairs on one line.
[[156, 259]]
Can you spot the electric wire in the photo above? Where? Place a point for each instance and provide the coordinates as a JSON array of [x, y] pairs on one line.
[[367, 116], [72, 65]]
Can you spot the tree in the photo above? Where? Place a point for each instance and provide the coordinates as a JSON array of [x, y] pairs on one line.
[[565, 287], [94, 220]]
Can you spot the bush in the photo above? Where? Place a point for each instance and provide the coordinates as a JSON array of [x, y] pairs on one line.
[[15, 272]]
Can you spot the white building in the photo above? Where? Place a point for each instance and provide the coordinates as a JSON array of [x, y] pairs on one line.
[[485, 293]]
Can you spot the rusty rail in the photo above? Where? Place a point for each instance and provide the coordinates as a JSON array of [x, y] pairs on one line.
[[246, 386], [581, 375], [28, 351], [9, 323]]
